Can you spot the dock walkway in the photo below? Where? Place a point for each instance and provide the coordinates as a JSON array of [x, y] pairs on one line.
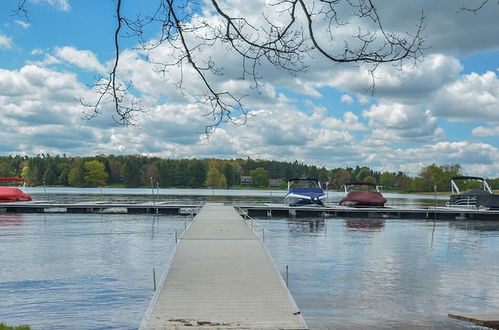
[[221, 276]]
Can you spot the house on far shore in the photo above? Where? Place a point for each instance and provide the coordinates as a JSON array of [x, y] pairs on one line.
[[245, 180], [275, 182]]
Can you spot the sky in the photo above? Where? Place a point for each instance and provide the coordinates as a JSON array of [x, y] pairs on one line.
[[443, 109]]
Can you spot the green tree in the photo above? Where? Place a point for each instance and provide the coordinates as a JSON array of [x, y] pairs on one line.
[[341, 176], [95, 173], [49, 177], [75, 177], [434, 175], [260, 177], [196, 173], [403, 182], [387, 180], [369, 179], [130, 172], [215, 179], [6, 170], [150, 171], [362, 174]]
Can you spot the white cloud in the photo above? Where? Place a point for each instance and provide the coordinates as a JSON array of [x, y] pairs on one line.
[[345, 98], [5, 42], [62, 5], [473, 97], [23, 24], [476, 158], [398, 122], [38, 101], [485, 131], [83, 59]]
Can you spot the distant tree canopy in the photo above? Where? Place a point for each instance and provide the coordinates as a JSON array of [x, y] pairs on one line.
[[141, 171]]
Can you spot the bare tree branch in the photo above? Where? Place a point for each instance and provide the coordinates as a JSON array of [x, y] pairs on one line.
[[286, 32], [475, 9], [112, 91], [21, 10]]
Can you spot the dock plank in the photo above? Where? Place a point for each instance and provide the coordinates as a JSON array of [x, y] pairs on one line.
[[221, 276]]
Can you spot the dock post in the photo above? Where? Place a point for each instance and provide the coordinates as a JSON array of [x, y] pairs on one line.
[[263, 234], [152, 192], [176, 236], [287, 276], [154, 278]]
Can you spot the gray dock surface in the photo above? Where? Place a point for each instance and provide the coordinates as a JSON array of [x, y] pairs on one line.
[[221, 276], [490, 320]]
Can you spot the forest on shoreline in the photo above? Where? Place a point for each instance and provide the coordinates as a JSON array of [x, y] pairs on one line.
[[133, 171]]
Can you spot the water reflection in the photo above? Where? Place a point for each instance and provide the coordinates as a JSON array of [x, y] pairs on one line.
[[11, 219], [378, 274], [477, 225], [364, 224], [307, 226]]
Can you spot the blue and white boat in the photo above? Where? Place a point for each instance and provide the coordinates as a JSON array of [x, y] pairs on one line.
[[304, 191]]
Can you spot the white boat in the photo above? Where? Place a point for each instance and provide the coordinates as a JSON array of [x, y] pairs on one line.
[[304, 192]]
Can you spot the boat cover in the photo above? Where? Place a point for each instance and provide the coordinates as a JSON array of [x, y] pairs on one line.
[[363, 199], [10, 194], [308, 191], [480, 198]]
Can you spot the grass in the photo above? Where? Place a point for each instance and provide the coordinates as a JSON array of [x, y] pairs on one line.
[[8, 327]]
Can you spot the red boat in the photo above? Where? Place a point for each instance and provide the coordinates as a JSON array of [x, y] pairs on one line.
[[362, 198], [11, 194]]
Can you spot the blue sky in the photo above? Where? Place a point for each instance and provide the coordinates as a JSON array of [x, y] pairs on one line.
[[443, 110]]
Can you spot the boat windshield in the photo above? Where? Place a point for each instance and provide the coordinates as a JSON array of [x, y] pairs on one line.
[[361, 186], [304, 183]]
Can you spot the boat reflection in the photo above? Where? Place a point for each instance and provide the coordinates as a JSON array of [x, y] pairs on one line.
[[476, 225], [307, 226], [364, 224], [11, 219]]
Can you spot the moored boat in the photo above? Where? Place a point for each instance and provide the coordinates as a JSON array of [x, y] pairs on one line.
[[304, 191], [12, 194], [473, 198], [357, 196]]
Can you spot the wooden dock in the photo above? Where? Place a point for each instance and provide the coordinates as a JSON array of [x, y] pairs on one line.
[[490, 320], [221, 276]]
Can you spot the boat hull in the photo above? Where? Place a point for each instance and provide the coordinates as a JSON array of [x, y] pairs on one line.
[[293, 199]]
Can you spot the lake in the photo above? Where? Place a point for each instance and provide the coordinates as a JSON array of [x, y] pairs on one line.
[[91, 271]]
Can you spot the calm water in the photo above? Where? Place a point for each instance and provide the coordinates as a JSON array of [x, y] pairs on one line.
[[386, 274], [71, 271], [81, 271], [189, 196]]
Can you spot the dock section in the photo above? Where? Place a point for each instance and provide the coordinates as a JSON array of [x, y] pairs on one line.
[[490, 320], [221, 276], [260, 210]]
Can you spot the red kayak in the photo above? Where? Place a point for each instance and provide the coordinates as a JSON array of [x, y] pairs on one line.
[[11, 194]]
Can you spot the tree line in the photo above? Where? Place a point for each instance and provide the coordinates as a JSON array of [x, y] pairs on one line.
[[141, 171]]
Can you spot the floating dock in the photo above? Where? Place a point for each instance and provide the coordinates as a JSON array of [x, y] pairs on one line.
[[260, 210], [222, 277], [490, 320]]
